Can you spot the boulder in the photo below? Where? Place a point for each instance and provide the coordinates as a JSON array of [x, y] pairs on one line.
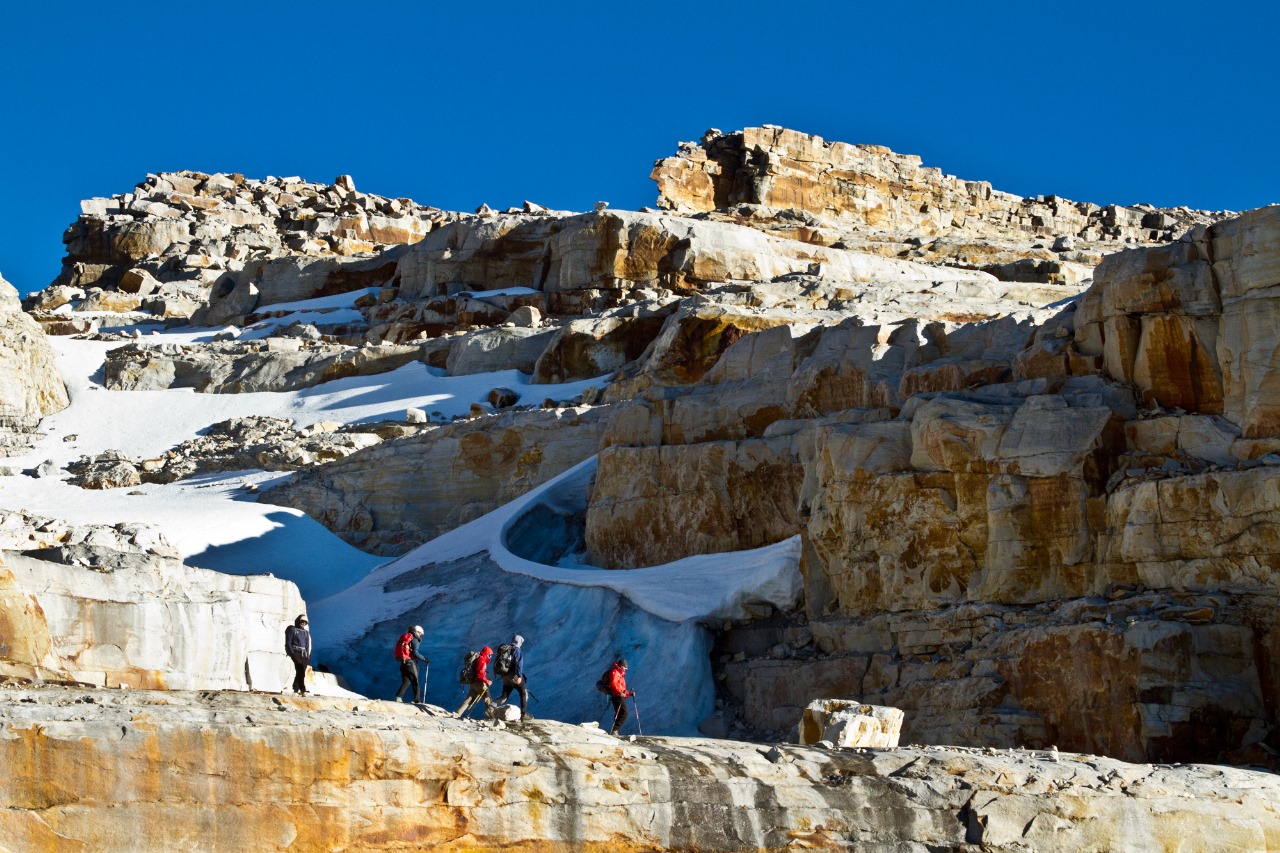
[[489, 350], [848, 724]]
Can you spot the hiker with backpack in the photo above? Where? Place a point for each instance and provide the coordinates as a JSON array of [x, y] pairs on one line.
[[614, 683], [474, 674], [509, 666], [297, 645], [407, 654]]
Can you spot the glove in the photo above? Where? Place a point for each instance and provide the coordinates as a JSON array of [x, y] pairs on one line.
[[426, 661], [631, 693]]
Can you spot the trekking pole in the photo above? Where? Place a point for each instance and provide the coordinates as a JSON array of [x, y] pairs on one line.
[[637, 710], [426, 670], [532, 696]]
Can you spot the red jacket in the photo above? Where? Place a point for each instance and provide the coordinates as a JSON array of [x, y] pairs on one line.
[[482, 663], [616, 681]]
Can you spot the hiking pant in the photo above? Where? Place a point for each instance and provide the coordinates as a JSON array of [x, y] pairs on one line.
[[479, 690], [300, 675], [619, 712], [408, 678], [522, 688]]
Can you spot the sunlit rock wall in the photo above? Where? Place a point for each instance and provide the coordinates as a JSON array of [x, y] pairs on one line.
[[141, 771]]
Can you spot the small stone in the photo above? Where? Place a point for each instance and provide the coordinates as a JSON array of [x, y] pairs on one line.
[[502, 398]]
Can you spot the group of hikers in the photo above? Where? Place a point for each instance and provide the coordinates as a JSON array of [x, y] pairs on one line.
[[508, 666]]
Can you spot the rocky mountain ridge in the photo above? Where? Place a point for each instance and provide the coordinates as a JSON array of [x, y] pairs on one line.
[[1031, 478]]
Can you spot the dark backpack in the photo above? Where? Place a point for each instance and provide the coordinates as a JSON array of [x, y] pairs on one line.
[[468, 672], [603, 683], [505, 659], [403, 646]]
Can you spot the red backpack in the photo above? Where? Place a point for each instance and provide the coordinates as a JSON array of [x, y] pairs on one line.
[[402, 647]]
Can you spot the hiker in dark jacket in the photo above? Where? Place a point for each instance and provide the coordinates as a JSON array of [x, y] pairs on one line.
[[479, 684], [297, 645], [514, 678], [616, 682], [408, 655]]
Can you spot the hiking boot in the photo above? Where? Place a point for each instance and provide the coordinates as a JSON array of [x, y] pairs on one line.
[[398, 699], [614, 731], [525, 715]]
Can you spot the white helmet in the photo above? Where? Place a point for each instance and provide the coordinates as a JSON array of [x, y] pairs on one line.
[[417, 629]]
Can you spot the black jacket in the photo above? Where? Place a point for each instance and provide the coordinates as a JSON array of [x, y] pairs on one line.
[[297, 643]]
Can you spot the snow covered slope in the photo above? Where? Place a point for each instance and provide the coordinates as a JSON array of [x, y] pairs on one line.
[[212, 520]]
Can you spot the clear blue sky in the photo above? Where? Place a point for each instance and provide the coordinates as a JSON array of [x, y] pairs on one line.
[[566, 103]]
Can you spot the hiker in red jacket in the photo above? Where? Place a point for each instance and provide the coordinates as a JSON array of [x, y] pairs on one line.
[[616, 682], [408, 656], [479, 684]]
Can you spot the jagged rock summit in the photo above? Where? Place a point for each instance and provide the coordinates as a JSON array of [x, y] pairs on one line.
[[783, 180]]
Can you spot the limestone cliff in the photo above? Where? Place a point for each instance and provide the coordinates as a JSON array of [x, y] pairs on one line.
[[998, 551]]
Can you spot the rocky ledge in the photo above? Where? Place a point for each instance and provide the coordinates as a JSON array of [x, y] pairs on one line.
[[107, 770]]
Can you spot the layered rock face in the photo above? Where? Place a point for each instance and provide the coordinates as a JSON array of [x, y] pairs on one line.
[[30, 386], [986, 554], [873, 188], [388, 499], [116, 607], [254, 772]]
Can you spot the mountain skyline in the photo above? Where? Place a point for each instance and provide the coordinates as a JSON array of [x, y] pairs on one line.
[[458, 108]]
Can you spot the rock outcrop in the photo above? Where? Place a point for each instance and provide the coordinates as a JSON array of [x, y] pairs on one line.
[[109, 771], [116, 607], [238, 444], [829, 189], [30, 387], [392, 497], [178, 234], [242, 367]]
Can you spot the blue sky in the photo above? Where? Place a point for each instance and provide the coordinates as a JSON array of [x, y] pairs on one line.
[[568, 103]]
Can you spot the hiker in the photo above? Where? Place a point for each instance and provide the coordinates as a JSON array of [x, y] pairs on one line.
[[297, 645], [408, 655], [615, 680], [479, 681], [509, 666]]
